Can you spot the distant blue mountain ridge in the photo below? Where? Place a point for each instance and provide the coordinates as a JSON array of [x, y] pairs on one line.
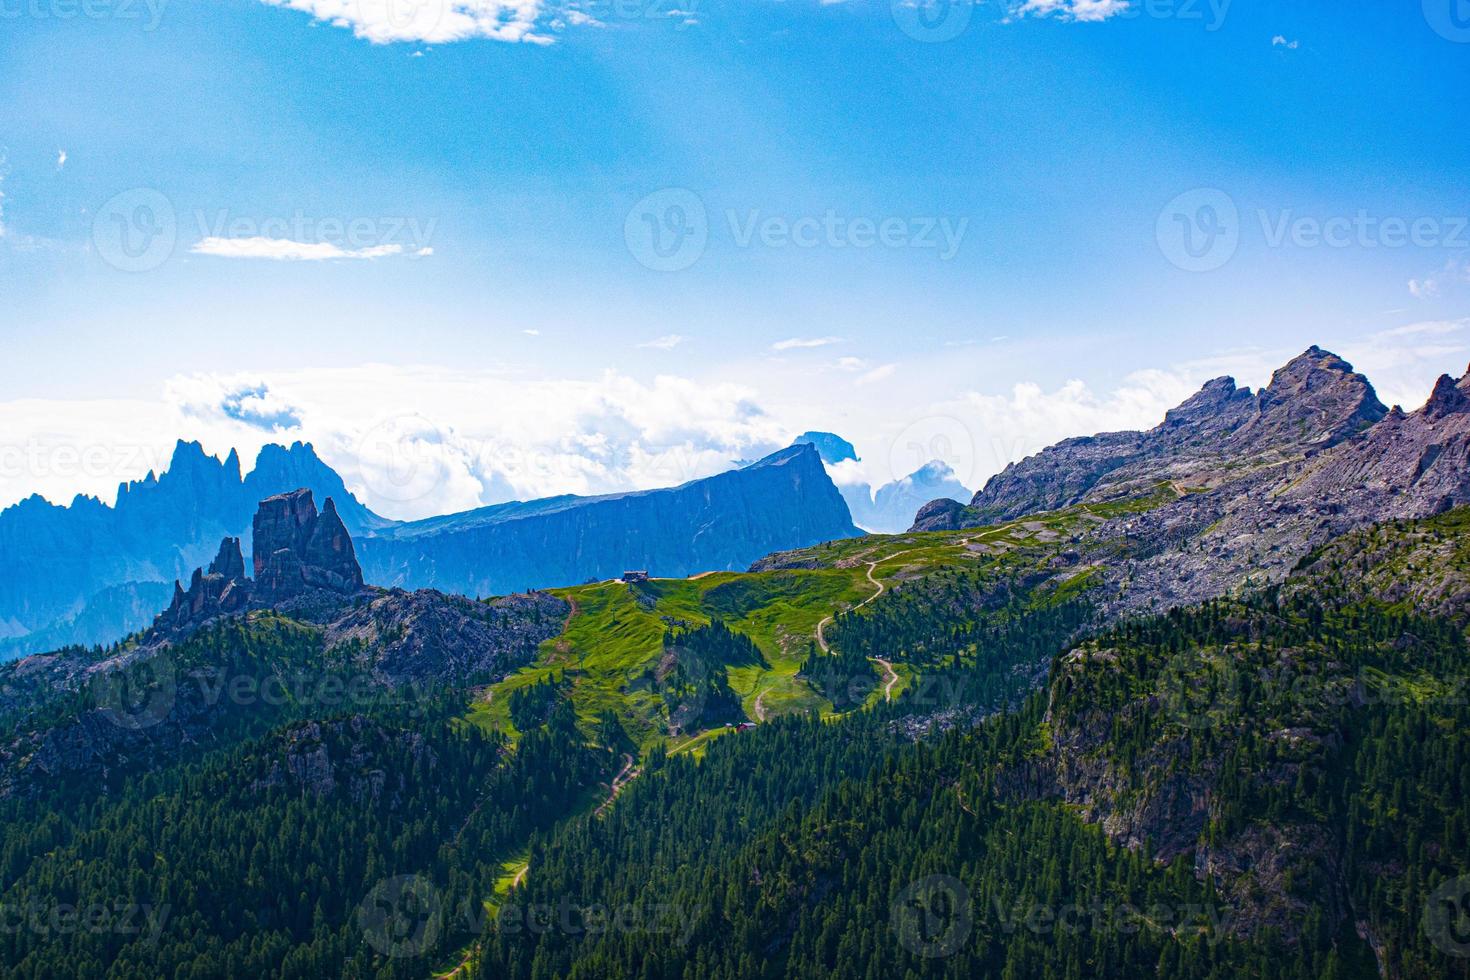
[[89, 573]]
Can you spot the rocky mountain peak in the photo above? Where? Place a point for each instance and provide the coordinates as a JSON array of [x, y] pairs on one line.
[[1448, 398], [1314, 401], [229, 562], [296, 549], [1215, 396], [221, 591]]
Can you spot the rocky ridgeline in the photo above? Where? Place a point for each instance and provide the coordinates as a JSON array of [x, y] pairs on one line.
[[1259, 481], [1316, 401]]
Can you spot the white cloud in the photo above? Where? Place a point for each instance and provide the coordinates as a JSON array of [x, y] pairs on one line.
[[286, 250], [877, 374], [387, 21], [1083, 11], [1280, 41], [531, 332], [1429, 287], [666, 342], [795, 343], [1403, 362], [60, 159]]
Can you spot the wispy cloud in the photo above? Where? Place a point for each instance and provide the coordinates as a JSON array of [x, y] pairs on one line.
[[666, 342], [1429, 286], [1280, 41], [60, 159], [794, 343], [286, 250], [877, 374]]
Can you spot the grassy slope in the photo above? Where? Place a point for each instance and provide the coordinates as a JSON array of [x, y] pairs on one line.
[[616, 630]]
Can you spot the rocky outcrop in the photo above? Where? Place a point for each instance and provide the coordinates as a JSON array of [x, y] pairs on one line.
[[296, 549], [940, 515], [221, 591], [1223, 432]]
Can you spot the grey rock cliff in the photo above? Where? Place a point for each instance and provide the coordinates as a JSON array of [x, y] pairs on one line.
[[1313, 403]]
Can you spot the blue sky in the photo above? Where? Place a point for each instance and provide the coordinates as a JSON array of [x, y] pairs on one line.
[[481, 204]]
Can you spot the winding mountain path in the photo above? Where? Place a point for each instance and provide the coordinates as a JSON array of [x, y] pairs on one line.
[[623, 778], [892, 677], [879, 586]]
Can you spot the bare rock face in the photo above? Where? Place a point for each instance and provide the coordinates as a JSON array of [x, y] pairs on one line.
[[940, 515], [1313, 403], [221, 591], [1254, 530], [296, 549]]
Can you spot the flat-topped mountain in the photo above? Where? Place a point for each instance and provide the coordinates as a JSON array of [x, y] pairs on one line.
[[723, 522]]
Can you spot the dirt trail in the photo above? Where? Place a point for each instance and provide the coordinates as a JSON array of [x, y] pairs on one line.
[[880, 587], [623, 778], [760, 709], [892, 678]]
